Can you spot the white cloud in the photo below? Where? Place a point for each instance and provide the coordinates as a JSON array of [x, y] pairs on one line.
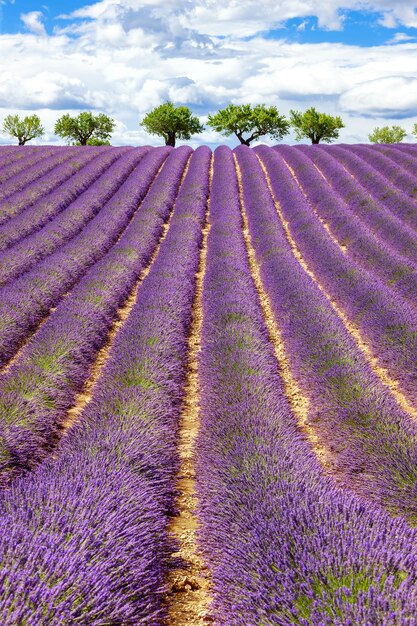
[[125, 57], [33, 22], [390, 97], [401, 38]]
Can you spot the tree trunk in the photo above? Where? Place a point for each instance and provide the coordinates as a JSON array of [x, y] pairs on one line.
[[22, 141], [245, 142], [315, 140], [170, 140]]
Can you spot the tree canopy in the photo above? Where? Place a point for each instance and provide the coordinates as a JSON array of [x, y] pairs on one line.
[[24, 129], [243, 119], [85, 129], [315, 126], [387, 134], [171, 123]]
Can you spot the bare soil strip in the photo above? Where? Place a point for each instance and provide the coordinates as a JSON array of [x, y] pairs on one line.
[[84, 396], [189, 584], [298, 402], [373, 362], [321, 220]]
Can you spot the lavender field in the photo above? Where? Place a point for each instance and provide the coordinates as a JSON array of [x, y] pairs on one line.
[[208, 386]]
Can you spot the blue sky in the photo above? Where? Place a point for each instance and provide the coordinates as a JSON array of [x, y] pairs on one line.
[[360, 28], [356, 58]]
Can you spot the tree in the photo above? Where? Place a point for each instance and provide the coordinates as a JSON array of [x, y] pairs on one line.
[[85, 129], [315, 126], [387, 134], [240, 119], [171, 123], [24, 129]]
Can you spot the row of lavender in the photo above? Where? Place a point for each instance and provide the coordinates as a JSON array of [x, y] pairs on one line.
[[28, 299], [256, 472], [86, 194], [94, 521], [78, 176], [386, 321], [39, 388], [369, 438], [284, 544]]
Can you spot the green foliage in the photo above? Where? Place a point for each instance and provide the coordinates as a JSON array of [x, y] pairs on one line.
[[85, 129], [94, 141], [24, 129], [387, 134], [243, 118], [171, 123], [315, 126]]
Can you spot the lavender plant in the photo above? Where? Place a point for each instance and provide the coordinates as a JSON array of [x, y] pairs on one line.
[[40, 387], [284, 544], [26, 301], [103, 557], [69, 208], [36, 176], [387, 227], [371, 441], [359, 242]]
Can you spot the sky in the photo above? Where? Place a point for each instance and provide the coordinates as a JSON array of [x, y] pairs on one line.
[[353, 58]]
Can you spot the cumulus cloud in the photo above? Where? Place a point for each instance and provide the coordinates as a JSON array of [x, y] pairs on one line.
[[242, 18], [33, 22], [124, 58], [388, 97]]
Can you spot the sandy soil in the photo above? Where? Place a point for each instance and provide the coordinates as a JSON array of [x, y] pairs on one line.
[[189, 583]]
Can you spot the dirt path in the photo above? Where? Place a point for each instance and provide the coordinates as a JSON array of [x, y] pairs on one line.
[[325, 225], [189, 584], [298, 402], [85, 395], [354, 331]]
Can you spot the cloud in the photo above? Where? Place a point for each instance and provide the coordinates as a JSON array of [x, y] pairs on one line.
[[115, 57], [388, 97], [401, 38], [245, 18], [33, 22]]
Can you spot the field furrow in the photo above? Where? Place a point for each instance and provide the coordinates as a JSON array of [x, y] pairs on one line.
[[24, 158], [39, 388], [188, 579], [377, 188], [352, 236], [115, 469], [267, 509], [383, 322], [36, 215], [26, 301], [32, 181], [368, 436], [78, 202], [387, 227]]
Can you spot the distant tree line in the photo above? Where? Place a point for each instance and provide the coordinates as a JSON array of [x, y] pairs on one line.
[[86, 129], [246, 122]]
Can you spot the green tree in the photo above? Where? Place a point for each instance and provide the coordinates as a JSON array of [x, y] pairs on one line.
[[171, 123], [387, 134], [85, 129], [241, 119], [24, 129], [315, 126]]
